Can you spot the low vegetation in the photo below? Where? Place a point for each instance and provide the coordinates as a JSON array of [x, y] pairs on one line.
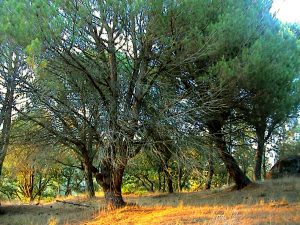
[[269, 202], [156, 105]]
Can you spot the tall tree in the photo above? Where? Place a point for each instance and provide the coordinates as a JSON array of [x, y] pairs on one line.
[[211, 81], [269, 85], [67, 110], [12, 68], [119, 49]]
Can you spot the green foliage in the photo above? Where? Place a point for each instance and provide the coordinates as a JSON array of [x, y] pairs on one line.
[[288, 149], [31, 168], [270, 76], [114, 78]]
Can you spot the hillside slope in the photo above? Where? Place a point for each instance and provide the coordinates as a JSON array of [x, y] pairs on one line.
[[270, 202]]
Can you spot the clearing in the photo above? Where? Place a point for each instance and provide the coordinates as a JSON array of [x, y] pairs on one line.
[[270, 202]]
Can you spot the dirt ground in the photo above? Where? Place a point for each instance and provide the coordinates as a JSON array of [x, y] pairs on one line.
[[270, 202], [51, 213]]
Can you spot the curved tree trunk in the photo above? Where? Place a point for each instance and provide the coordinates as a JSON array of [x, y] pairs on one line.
[[240, 179]]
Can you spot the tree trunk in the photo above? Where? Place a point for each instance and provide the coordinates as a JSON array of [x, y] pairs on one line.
[[68, 187], [169, 180], [40, 188], [110, 179], [180, 174], [31, 185], [170, 184], [58, 185], [151, 184], [264, 165], [228, 179], [240, 179], [159, 181], [90, 190], [148, 186], [5, 118], [210, 173], [260, 134], [87, 163], [164, 183]]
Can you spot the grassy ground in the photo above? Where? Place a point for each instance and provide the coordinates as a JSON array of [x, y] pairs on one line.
[[270, 202]]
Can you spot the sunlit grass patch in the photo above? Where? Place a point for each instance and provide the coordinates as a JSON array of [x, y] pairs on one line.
[[260, 213], [270, 202]]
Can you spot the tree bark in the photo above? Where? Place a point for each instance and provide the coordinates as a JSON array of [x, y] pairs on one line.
[[88, 172], [29, 178], [180, 175], [5, 118], [159, 181], [89, 182], [228, 179], [260, 134], [169, 180], [240, 179], [110, 179], [210, 174], [165, 146], [264, 165], [68, 187], [151, 184], [148, 186], [170, 184], [164, 183]]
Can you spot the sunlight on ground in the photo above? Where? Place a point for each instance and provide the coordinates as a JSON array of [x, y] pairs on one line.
[[270, 202], [261, 213]]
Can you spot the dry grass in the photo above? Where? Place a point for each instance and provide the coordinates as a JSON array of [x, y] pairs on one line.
[[49, 213], [275, 213], [271, 202]]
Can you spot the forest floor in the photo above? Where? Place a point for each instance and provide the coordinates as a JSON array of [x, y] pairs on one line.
[[269, 202]]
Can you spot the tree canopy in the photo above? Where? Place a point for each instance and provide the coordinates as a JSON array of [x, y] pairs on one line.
[[173, 85]]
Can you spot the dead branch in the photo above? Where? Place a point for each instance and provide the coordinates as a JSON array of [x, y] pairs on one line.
[[72, 203]]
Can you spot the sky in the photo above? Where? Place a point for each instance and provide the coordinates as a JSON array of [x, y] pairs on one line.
[[288, 10]]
